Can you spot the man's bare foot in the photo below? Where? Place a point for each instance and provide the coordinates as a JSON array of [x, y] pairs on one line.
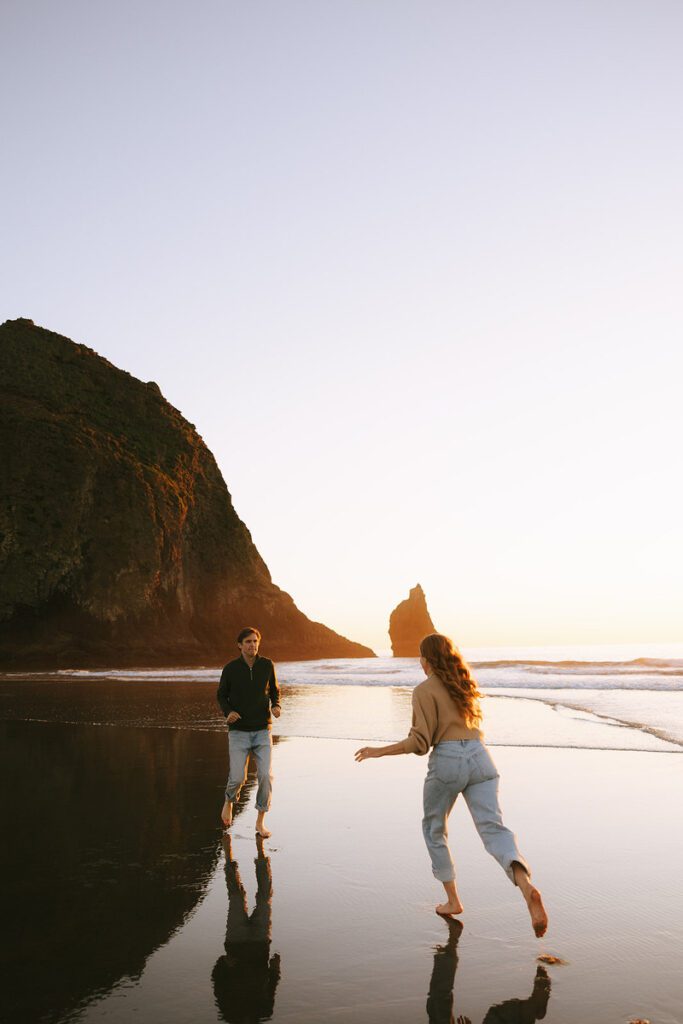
[[537, 912], [261, 829], [454, 906], [226, 814]]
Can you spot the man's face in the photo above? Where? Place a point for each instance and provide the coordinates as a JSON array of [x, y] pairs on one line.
[[249, 646]]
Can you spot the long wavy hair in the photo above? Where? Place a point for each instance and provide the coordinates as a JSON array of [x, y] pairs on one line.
[[449, 665]]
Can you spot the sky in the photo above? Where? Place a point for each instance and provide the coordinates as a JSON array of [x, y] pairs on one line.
[[413, 269]]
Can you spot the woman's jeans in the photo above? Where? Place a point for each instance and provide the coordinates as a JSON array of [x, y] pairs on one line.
[[465, 766], [260, 743]]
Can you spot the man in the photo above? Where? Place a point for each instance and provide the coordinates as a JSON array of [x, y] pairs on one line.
[[247, 694]]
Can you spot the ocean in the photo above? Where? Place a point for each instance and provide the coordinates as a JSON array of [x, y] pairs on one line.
[[598, 697]]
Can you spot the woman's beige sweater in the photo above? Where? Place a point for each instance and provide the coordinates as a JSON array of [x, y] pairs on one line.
[[436, 717]]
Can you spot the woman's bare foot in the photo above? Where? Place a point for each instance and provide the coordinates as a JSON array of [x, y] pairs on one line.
[[226, 814], [261, 829], [452, 907], [537, 912], [452, 904]]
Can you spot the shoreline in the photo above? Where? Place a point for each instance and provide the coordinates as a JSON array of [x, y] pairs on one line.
[[518, 718]]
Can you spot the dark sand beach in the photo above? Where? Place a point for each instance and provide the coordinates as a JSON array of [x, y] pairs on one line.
[[125, 901]]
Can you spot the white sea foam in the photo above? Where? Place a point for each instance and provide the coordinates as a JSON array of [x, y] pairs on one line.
[[634, 675]]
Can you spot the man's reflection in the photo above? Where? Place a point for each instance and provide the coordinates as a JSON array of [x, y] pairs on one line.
[[512, 1011], [246, 977]]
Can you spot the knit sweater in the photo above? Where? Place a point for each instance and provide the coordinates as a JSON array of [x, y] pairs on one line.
[[436, 717]]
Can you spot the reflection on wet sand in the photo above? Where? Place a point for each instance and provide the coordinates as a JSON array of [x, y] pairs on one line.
[[440, 998], [512, 1011], [164, 703], [522, 1011], [112, 840], [245, 978]]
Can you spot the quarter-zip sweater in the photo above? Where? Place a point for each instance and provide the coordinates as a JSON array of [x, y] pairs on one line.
[[251, 692]]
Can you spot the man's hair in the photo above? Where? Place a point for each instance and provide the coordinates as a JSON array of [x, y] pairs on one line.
[[247, 631]]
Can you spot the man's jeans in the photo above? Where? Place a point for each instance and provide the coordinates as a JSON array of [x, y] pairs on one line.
[[239, 745], [465, 766]]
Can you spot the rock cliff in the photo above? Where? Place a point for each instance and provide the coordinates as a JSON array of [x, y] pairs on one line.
[[408, 623], [119, 544]]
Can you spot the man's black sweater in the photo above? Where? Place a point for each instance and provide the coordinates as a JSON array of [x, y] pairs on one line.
[[251, 692]]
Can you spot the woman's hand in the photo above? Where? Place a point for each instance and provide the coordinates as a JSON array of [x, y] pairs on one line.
[[233, 717], [365, 752]]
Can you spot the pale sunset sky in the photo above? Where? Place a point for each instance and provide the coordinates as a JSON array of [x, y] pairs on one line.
[[413, 269]]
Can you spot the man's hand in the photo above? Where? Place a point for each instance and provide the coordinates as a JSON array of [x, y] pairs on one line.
[[276, 712], [233, 717]]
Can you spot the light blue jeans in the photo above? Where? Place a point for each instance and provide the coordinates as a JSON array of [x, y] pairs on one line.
[[465, 766], [260, 743]]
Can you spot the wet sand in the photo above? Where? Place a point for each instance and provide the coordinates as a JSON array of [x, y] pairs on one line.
[[125, 901]]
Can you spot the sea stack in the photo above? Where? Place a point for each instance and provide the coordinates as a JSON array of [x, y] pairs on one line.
[[408, 623], [119, 543]]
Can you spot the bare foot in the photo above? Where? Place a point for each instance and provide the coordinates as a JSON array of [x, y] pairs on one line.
[[454, 906], [261, 829], [226, 814], [539, 918]]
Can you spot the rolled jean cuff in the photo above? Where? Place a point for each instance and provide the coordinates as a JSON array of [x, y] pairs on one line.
[[437, 875], [509, 870]]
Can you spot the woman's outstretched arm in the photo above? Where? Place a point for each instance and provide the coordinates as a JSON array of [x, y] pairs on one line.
[[392, 748]]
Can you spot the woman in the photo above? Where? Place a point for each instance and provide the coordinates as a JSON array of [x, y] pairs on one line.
[[446, 717]]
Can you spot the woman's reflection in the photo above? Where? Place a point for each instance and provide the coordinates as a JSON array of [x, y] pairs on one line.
[[246, 977], [521, 1011], [512, 1011], [440, 998]]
